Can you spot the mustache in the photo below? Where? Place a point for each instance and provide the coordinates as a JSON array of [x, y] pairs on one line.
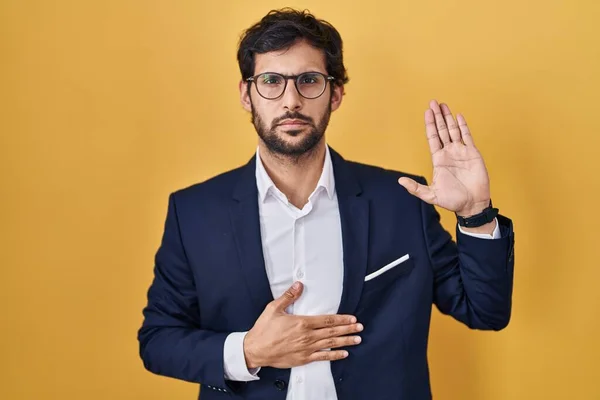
[[293, 115]]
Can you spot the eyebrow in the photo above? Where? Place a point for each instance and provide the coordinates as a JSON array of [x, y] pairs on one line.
[[300, 73]]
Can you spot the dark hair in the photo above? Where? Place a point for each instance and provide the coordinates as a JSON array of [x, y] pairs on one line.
[[280, 29]]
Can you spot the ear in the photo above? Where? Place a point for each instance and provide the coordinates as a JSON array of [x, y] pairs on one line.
[[336, 96], [245, 96]]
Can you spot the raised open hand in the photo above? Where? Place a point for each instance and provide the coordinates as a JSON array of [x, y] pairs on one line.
[[460, 179]]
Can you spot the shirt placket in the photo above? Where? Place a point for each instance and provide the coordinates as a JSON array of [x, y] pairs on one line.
[[299, 274]]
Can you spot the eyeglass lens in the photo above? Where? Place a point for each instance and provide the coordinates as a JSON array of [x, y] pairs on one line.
[[310, 85]]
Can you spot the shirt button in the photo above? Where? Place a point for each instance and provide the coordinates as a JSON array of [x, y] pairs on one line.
[[279, 384], [299, 379], [300, 274]]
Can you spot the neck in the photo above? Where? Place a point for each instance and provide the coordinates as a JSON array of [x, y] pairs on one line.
[[295, 176]]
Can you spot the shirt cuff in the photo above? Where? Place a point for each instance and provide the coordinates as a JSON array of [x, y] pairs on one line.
[[494, 235], [234, 360]]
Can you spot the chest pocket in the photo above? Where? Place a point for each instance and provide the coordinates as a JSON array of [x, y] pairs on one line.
[[388, 273]]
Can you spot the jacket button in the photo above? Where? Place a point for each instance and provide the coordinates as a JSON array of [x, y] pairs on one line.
[[279, 384]]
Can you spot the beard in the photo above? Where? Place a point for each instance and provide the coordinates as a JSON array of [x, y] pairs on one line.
[[276, 142]]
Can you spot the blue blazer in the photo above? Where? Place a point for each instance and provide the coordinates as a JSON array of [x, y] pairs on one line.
[[210, 280]]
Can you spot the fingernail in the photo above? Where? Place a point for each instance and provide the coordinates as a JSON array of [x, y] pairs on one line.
[[360, 327], [357, 339], [345, 354], [296, 285], [352, 320]]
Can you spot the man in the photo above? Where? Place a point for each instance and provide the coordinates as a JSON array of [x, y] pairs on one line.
[[305, 276]]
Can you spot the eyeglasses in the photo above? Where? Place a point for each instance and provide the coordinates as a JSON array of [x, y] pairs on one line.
[[271, 85]]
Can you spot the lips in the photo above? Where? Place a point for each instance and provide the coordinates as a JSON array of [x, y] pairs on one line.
[[293, 122]]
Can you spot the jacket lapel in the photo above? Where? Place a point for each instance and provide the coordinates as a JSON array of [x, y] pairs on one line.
[[354, 215], [245, 222], [354, 218]]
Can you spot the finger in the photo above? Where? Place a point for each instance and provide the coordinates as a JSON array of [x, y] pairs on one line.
[[433, 136], [328, 355], [464, 130], [327, 321], [326, 333], [334, 343], [423, 192], [451, 124], [288, 297], [440, 123]]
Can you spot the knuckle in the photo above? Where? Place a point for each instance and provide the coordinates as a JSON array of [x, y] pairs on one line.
[[305, 339], [331, 332], [329, 320], [304, 324], [331, 343], [270, 309]]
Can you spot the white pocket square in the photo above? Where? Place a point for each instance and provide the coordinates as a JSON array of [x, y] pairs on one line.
[[386, 268]]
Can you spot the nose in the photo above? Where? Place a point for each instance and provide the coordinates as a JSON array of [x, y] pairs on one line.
[[291, 98]]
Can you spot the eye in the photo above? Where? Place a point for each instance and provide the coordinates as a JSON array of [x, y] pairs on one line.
[[269, 79], [309, 79]]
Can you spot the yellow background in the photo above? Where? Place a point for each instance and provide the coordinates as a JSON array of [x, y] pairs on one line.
[[108, 106]]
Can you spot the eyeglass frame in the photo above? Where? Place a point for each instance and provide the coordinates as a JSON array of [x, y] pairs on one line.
[[286, 78]]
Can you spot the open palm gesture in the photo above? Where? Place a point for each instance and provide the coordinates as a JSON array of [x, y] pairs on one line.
[[460, 179]]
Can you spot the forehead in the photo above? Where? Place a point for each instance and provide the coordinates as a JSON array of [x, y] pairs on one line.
[[298, 58]]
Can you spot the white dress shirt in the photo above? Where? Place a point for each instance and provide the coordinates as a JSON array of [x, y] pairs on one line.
[[305, 245]]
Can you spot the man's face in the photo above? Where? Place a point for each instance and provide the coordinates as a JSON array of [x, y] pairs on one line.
[[291, 125]]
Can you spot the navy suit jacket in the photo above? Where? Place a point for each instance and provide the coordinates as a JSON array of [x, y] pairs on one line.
[[210, 280]]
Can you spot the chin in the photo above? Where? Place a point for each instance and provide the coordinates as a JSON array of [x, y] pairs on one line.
[[292, 131], [292, 146], [294, 137]]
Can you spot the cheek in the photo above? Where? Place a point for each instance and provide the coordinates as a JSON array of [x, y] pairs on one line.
[[320, 108], [325, 100], [265, 113]]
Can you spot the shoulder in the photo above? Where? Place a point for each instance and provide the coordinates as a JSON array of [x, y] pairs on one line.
[[217, 188]]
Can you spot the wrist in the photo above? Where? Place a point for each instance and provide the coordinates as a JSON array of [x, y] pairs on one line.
[[487, 228], [473, 209], [250, 355]]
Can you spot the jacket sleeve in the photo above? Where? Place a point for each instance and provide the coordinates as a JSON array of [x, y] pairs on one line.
[[473, 277], [171, 339]]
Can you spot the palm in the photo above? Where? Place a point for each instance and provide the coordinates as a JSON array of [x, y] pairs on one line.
[[460, 179]]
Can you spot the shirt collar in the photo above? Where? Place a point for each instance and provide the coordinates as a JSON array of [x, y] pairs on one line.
[[265, 184]]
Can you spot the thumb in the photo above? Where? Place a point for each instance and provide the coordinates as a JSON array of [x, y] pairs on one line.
[[289, 296], [423, 192]]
